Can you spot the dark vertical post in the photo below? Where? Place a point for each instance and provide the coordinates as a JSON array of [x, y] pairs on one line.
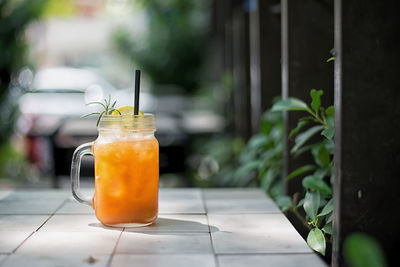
[[367, 115], [241, 70], [220, 57], [255, 72], [307, 38], [265, 57]]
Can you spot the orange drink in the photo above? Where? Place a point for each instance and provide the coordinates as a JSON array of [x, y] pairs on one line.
[[126, 171], [126, 181]]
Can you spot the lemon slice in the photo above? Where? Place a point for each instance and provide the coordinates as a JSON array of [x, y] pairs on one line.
[[126, 110]]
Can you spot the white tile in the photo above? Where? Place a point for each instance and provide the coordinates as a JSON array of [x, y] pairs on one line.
[[195, 260], [2, 258], [74, 207], [21, 222], [243, 200], [175, 223], [29, 206], [180, 201], [164, 243], [177, 206], [180, 193], [245, 205], [61, 260], [233, 193], [255, 233], [10, 240], [289, 260], [32, 201], [35, 195], [52, 243], [75, 223], [4, 193]]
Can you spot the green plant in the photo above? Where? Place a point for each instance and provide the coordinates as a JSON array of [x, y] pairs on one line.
[[108, 109], [261, 159], [361, 250], [172, 49], [214, 160], [318, 198], [14, 17]]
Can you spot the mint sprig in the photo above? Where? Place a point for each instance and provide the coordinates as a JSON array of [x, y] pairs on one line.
[[108, 109]]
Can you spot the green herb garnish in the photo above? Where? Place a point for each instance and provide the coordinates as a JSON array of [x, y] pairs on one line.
[[108, 110]]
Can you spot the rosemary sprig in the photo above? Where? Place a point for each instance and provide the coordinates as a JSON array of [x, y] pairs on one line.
[[108, 110]]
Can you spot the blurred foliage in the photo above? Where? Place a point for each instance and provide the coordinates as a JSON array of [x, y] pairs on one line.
[[60, 8], [14, 17], [224, 161], [13, 165], [262, 158], [215, 160], [362, 250], [172, 50]]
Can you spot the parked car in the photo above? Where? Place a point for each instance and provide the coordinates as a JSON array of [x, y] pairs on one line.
[[50, 120]]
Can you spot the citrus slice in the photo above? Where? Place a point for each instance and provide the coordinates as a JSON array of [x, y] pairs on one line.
[[126, 110]]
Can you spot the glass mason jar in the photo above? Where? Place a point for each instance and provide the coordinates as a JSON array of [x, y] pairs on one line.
[[126, 171]]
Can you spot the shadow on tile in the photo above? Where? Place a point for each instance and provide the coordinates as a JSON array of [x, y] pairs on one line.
[[174, 226], [99, 225]]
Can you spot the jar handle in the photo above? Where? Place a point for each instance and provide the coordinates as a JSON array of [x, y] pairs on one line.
[[80, 151]]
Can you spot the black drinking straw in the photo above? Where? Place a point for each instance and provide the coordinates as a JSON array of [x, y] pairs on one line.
[[137, 91]]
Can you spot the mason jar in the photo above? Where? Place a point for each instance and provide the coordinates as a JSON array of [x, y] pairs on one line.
[[126, 163]]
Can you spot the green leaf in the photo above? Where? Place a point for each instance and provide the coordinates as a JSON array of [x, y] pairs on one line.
[[307, 118], [327, 209], [330, 59], [314, 183], [320, 173], [327, 228], [268, 178], [299, 171], [361, 250], [284, 202], [329, 218], [316, 99], [300, 125], [257, 140], [305, 136], [301, 202], [330, 111], [290, 104], [302, 150], [311, 204], [321, 156], [316, 240], [328, 133], [89, 114], [331, 122], [246, 169]]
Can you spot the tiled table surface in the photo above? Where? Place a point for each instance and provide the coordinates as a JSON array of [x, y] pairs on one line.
[[212, 227]]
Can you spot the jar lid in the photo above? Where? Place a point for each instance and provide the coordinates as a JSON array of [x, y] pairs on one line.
[[144, 122]]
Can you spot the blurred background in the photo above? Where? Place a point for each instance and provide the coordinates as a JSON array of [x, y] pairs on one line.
[[211, 71], [58, 55]]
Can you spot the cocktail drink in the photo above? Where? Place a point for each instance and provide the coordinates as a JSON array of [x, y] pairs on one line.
[[126, 171]]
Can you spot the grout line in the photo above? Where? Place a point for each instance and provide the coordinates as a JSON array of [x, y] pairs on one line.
[[51, 215], [209, 229], [60, 206], [115, 249], [266, 253], [23, 242], [182, 213], [247, 212]]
